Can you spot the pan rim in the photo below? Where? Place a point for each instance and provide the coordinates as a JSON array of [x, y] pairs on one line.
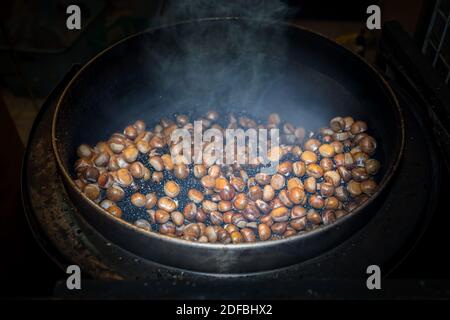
[[387, 177]]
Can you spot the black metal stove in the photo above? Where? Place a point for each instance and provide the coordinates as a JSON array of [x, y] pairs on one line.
[[413, 205]]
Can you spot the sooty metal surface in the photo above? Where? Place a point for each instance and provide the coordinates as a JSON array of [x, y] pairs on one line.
[[385, 240]]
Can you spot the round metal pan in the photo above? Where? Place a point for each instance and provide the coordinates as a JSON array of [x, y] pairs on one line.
[[227, 64]]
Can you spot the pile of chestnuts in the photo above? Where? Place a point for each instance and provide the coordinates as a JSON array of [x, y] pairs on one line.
[[320, 178]]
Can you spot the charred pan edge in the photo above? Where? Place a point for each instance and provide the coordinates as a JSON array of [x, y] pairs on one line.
[[383, 184]]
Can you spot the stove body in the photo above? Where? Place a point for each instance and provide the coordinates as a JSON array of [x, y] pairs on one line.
[[414, 204]]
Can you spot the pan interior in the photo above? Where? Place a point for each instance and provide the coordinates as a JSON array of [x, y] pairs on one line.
[[229, 66]]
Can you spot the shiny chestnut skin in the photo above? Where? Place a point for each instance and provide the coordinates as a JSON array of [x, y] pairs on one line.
[[359, 174], [368, 187], [284, 168], [143, 224], [296, 195], [177, 218], [264, 232], [262, 178], [181, 171], [298, 224], [299, 168], [372, 166], [92, 191], [162, 216], [138, 199], [240, 201], [316, 201], [358, 127], [208, 182], [171, 189], [313, 216], [115, 193], [199, 171], [91, 174], [314, 170], [312, 145], [354, 188], [277, 182], [280, 214], [150, 200], [255, 193], [167, 204], [195, 195], [209, 205], [137, 170], [216, 218], [248, 235], [279, 227], [237, 183], [327, 150], [294, 182], [227, 194], [310, 184], [337, 124], [328, 217], [124, 177], [190, 211], [308, 157], [283, 196], [115, 211]]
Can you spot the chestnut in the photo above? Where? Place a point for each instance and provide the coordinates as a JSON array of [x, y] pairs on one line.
[[115, 211], [296, 195], [337, 124], [138, 199], [284, 168], [308, 157], [354, 188], [177, 218], [124, 177], [157, 163], [115, 193], [277, 181], [240, 201], [310, 184], [280, 214], [167, 204], [326, 150], [84, 151], [130, 153], [316, 201], [199, 170], [368, 187], [190, 211], [209, 205], [171, 189], [372, 166], [143, 224], [312, 145], [92, 191], [314, 170], [264, 232], [358, 127]]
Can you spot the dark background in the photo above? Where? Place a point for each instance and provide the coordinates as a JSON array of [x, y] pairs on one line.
[[36, 50]]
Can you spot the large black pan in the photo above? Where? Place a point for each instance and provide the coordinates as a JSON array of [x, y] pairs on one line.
[[224, 64]]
